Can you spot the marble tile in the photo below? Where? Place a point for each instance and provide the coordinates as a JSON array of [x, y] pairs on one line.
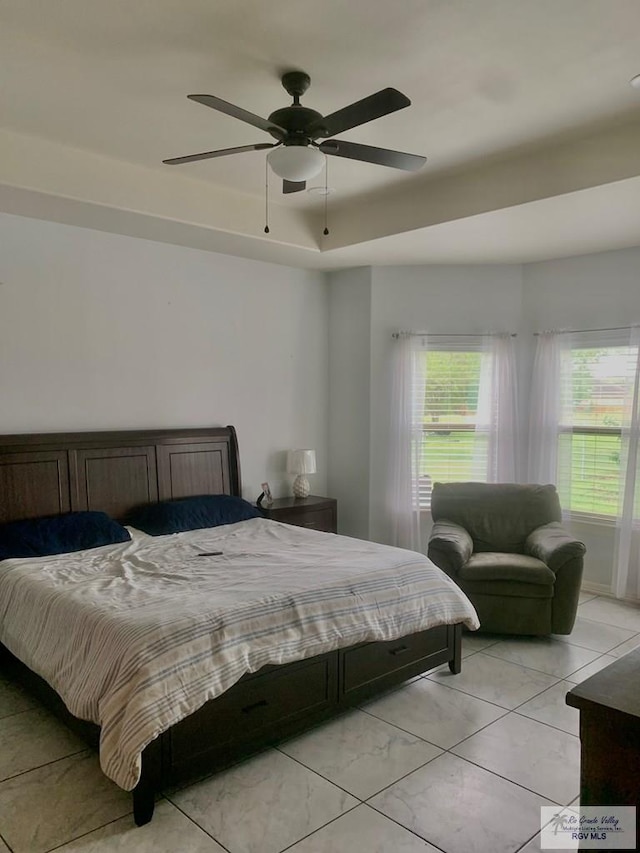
[[264, 804], [622, 614], [597, 636], [462, 808], [534, 755], [591, 669], [362, 830], [535, 845], [13, 699], [60, 801], [626, 647], [168, 832], [474, 642], [543, 654], [583, 597], [434, 712], [550, 707], [31, 739], [495, 680], [360, 753]]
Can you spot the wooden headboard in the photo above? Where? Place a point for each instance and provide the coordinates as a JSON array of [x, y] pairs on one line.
[[52, 473]]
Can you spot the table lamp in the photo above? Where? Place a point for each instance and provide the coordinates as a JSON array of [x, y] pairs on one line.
[[301, 462]]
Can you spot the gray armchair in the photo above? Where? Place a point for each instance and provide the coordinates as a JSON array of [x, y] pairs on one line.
[[504, 545]]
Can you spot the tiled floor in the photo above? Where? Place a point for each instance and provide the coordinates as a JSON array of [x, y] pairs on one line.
[[453, 763]]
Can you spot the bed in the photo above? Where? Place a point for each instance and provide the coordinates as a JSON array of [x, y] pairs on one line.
[[115, 472]]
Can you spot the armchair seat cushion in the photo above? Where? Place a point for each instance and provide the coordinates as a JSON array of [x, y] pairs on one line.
[[493, 566]]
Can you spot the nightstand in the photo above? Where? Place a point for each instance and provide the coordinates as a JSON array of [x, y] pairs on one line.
[[314, 512]]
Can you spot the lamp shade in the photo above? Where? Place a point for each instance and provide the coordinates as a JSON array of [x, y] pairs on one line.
[[296, 162], [301, 462]]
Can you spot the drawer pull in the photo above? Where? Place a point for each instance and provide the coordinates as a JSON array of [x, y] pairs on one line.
[[249, 708], [399, 650]]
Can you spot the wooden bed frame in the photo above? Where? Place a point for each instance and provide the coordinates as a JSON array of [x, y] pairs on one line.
[[49, 474]]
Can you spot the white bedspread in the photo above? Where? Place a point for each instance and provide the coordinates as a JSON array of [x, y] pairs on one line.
[[137, 636]]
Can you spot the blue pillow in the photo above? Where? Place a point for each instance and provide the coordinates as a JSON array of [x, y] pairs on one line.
[[59, 534], [191, 514]]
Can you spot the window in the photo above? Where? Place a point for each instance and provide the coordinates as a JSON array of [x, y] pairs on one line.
[[453, 418], [460, 381], [596, 389]]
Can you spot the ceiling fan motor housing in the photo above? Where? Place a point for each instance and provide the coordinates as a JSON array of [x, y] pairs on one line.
[[295, 120]]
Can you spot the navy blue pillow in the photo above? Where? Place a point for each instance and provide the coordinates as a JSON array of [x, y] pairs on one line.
[[191, 514], [59, 534]]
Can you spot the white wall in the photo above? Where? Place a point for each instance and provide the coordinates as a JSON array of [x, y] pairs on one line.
[[349, 383], [590, 291], [99, 331]]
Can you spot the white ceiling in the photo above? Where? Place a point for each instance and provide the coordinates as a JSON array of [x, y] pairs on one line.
[[523, 108]]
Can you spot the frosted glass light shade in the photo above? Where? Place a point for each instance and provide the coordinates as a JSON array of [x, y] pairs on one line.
[[301, 462], [296, 162]]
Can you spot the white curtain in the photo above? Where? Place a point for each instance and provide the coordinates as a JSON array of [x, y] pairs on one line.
[[497, 416], [545, 405], [407, 409], [626, 569]]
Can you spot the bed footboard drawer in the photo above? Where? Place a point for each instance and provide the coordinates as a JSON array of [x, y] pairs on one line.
[[271, 701], [371, 663]]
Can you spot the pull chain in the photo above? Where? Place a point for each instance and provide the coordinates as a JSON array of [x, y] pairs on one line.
[[326, 193], [266, 196]]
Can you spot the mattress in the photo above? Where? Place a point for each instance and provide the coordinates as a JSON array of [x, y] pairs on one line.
[[137, 636]]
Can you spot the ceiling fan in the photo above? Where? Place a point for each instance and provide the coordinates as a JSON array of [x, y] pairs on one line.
[[297, 156]]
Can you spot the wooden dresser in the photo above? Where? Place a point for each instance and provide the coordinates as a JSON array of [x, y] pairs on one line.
[[609, 705]]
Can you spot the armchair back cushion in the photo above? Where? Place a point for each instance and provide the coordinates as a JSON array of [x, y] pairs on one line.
[[497, 516]]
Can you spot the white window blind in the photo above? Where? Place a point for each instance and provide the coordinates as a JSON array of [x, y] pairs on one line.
[[597, 382], [454, 448]]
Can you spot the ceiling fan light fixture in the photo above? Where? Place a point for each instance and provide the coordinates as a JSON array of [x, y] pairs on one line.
[[296, 162], [635, 82]]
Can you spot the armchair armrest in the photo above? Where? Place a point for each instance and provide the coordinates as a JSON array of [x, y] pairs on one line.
[[552, 544], [450, 546]]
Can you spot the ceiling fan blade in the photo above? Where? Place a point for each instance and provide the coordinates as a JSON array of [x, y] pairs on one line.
[[238, 112], [221, 152], [293, 186], [370, 154], [380, 104]]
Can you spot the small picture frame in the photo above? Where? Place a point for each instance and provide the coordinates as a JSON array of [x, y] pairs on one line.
[[266, 494]]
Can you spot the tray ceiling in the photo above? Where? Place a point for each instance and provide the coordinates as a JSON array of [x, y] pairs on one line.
[[523, 109]]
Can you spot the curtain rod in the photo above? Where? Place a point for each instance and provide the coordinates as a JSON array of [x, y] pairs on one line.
[[455, 335], [575, 331]]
